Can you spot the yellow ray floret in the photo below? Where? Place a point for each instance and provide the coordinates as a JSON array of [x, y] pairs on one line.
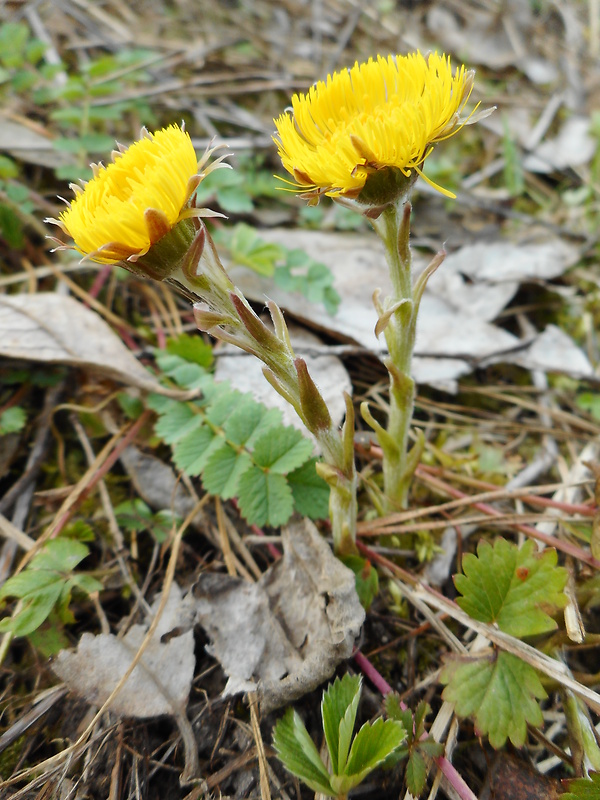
[[108, 219], [383, 113]]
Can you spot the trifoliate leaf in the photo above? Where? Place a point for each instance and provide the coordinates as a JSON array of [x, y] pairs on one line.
[[583, 788], [298, 753], [498, 691], [338, 709], [513, 587], [265, 498], [284, 452], [311, 493]]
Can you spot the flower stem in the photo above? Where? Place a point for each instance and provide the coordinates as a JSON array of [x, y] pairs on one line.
[[397, 320], [226, 314]]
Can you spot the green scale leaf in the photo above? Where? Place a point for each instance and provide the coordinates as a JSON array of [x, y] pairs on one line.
[[517, 588], [498, 691]]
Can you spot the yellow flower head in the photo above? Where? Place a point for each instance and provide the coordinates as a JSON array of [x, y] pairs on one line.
[[377, 115], [131, 204]]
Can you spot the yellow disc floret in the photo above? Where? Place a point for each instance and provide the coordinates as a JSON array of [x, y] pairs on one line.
[[385, 113], [108, 220]]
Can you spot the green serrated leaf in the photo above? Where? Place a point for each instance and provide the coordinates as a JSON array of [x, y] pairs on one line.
[[310, 491], [249, 250], [392, 705], [28, 583], [338, 711], [249, 421], [191, 348], [583, 788], [416, 773], [298, 753], [514, 587], [36, 608], [176, 421], [223, 471], [60, 555], [284, 452], [422, 710], [371, 746], [265, 498], [12, 420], [85, 583], [191, 452], [431, 748], [222, 406], [499, 691], [366, 578]]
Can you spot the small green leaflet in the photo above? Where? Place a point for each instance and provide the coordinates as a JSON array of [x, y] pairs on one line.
[[583, 788], [237, 446], [514, 587], [46, 583], [352, 759], [12, 420], [498, 691], [417, 747], [298, 753]]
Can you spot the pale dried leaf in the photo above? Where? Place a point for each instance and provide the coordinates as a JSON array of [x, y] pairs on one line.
[[156, 482], [30, 146], [159, 684], [455, 331], [574, 146], [285, 635], [244, 372], [554, 351], [56, 329]]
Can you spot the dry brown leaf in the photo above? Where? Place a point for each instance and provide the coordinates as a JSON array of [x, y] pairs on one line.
[[455, 331], [159, 684], [26, 144], [286, 634], [55, 329]]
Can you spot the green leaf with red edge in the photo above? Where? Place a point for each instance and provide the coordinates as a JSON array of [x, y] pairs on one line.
[[498, 691], [517, 588], [583, 788]]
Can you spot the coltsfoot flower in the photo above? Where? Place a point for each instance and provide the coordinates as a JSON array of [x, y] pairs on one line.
[[139, 208], [382, 115]]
